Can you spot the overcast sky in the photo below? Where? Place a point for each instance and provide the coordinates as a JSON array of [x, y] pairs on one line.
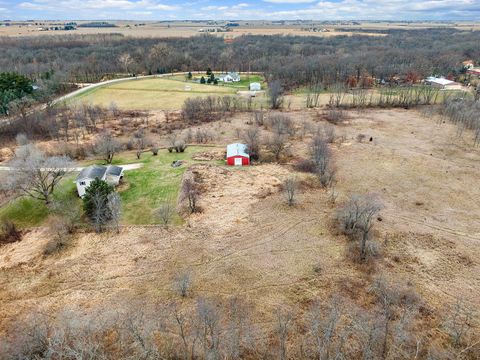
[[241, 9]]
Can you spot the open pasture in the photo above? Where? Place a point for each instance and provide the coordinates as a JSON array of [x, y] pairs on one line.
[[149, 94]]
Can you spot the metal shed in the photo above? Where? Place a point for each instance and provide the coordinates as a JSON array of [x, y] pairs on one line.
[[237, 155]]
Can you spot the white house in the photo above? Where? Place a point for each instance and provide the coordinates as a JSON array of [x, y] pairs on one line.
[[111, 174], [255, 86], [230, 77], [443, 83]]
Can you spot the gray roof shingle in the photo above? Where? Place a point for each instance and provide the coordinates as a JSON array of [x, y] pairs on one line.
[[92, 172], [114, 170]]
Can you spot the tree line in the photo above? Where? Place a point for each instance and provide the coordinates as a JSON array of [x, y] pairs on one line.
[[295, 61]]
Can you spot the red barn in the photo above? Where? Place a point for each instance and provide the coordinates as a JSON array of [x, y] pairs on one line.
[[237, 155]]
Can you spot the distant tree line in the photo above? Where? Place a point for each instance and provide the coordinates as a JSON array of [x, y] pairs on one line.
[[294, 61]]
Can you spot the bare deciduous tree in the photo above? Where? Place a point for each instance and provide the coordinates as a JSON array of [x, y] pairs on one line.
[[100, 214], [323, 322], [106, 146], [186, 334], [284, 320], [36, 174], [329, 133], [126, 60], [189, 194], [165, 212], [209, 328], [259, 117], [275, 94], [139, 140], [277, 144], [251, 137], [115, 206], [459, 323], [281, 123], [290, 188], [183, 283], [335, 116], [356, 217], [322, 157], [70, 212], [388, 297]]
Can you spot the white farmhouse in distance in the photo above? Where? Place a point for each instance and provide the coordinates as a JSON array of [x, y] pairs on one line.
[[111, 174], [230, 77]]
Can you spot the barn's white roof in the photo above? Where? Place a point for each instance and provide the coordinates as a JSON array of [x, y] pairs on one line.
[[440, 81], [237, 149]]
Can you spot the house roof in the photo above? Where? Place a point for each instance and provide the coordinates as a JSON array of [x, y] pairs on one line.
[[114, 170], [237, 149], [474, 70], [92, 172], [98, 171], [231, 74]]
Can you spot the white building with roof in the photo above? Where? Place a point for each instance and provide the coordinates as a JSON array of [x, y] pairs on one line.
[[229, 77], [255, 86], [442, 83], [111, 174]]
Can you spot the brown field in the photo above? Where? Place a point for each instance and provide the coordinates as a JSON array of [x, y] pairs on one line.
[[163, 31], [187, 29], [247, 242]]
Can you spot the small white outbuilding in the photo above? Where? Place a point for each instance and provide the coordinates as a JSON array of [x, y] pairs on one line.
[[255, 86]]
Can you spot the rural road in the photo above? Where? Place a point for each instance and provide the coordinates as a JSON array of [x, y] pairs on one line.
[[125, 167], [108, 82]]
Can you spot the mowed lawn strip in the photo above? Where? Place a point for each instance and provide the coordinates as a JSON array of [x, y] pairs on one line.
[[148, 94]]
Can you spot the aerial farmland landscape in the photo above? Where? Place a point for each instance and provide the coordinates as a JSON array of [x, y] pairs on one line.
[[276, 179]]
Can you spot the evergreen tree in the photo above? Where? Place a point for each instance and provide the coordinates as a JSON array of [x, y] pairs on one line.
[[202, 80], [189, 76], [95, 203], [13, 86]]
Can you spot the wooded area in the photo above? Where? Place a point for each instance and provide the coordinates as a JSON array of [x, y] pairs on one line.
[[293, 60]]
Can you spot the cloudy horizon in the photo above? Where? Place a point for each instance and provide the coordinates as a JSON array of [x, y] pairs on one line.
[[454, 10]]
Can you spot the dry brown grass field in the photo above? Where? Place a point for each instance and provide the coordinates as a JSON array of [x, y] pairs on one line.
[[163, 31], [187, 29], [247, 242]]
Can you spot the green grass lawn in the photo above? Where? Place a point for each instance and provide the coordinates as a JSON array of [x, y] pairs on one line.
[[243, 84], [26, 211], [141, 191], [148, 94], [153, 184]]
